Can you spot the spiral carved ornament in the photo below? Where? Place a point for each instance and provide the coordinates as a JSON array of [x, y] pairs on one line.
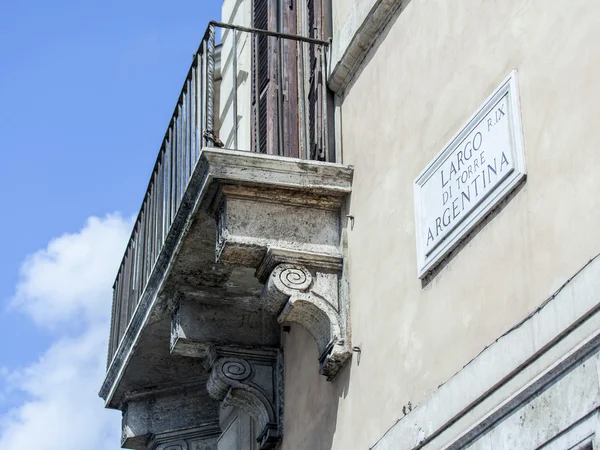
[[235, 369], [293, 277]]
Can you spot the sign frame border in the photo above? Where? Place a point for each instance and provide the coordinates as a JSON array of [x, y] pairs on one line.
[[509, 86]]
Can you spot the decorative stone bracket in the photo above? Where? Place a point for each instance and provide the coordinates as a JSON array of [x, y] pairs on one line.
[[311, 299], [293, 238], [251, 379]]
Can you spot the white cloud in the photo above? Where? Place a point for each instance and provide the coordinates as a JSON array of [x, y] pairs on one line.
[[72, 277], [68, 282]]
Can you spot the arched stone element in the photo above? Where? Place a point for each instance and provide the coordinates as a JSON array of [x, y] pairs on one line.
[[250, 379], [311, 299]]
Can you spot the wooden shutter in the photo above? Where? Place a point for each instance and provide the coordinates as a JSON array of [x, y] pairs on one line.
[[276, 89], [316, 82], [260, 76]]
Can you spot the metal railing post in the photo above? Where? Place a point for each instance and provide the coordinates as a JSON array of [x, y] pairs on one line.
[[210, 75], [280, 150], [235, 89], [325, 124], [256, 97]]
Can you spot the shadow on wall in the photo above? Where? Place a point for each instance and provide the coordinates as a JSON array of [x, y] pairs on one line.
[[311, 402]]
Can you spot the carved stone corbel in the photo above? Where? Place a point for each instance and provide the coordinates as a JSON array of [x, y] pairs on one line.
[[311, 298], [252, 380]]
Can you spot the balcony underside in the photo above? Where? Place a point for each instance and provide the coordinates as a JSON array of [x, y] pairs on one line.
[[247, 224]]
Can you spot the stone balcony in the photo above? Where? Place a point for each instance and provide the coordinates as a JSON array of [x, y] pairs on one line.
[[228, 246]]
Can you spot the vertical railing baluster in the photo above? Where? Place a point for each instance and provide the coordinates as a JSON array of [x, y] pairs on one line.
[[205, 92], [158, 211], [134, 267], [324, 119], [189, 130], [152, 222], [122, 299], [150, 233], [173, 173], [256, 97], [280, 144], [235, 89], [124, 305], [202, 93], [184, 139], [135, 262], [114, 328], [143, 247], [176, 162], [193, 118], [161, 201], [131, 291], [125, 291], [163, 195], [114, 322], [180, 158], [210, 83], [199, 104], [149, 209], [144, 244], [167, 189], [130, 287], [303, 150], [134, 287], [139, 255]]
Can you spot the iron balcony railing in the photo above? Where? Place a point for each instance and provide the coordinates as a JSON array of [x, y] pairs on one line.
[[266, 94]]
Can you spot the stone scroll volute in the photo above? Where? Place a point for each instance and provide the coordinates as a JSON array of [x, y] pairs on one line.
[[311, 298]]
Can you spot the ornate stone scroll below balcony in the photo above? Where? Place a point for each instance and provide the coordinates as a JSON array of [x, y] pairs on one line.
[[257, 242], [281, 217]]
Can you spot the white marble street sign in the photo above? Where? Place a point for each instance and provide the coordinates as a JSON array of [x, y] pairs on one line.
[[475, 171]]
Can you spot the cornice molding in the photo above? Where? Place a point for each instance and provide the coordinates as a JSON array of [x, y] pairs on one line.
[[352, 43]]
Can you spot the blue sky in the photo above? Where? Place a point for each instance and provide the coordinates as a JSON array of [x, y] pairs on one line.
[[86, 92]]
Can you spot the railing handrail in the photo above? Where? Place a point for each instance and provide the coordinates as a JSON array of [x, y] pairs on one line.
[[292, 37]]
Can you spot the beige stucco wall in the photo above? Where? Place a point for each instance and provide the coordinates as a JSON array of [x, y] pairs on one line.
[[340, 10], [435, 66]]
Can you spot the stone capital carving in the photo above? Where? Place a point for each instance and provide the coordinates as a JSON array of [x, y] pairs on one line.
[[251, 379], [311, 298]]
